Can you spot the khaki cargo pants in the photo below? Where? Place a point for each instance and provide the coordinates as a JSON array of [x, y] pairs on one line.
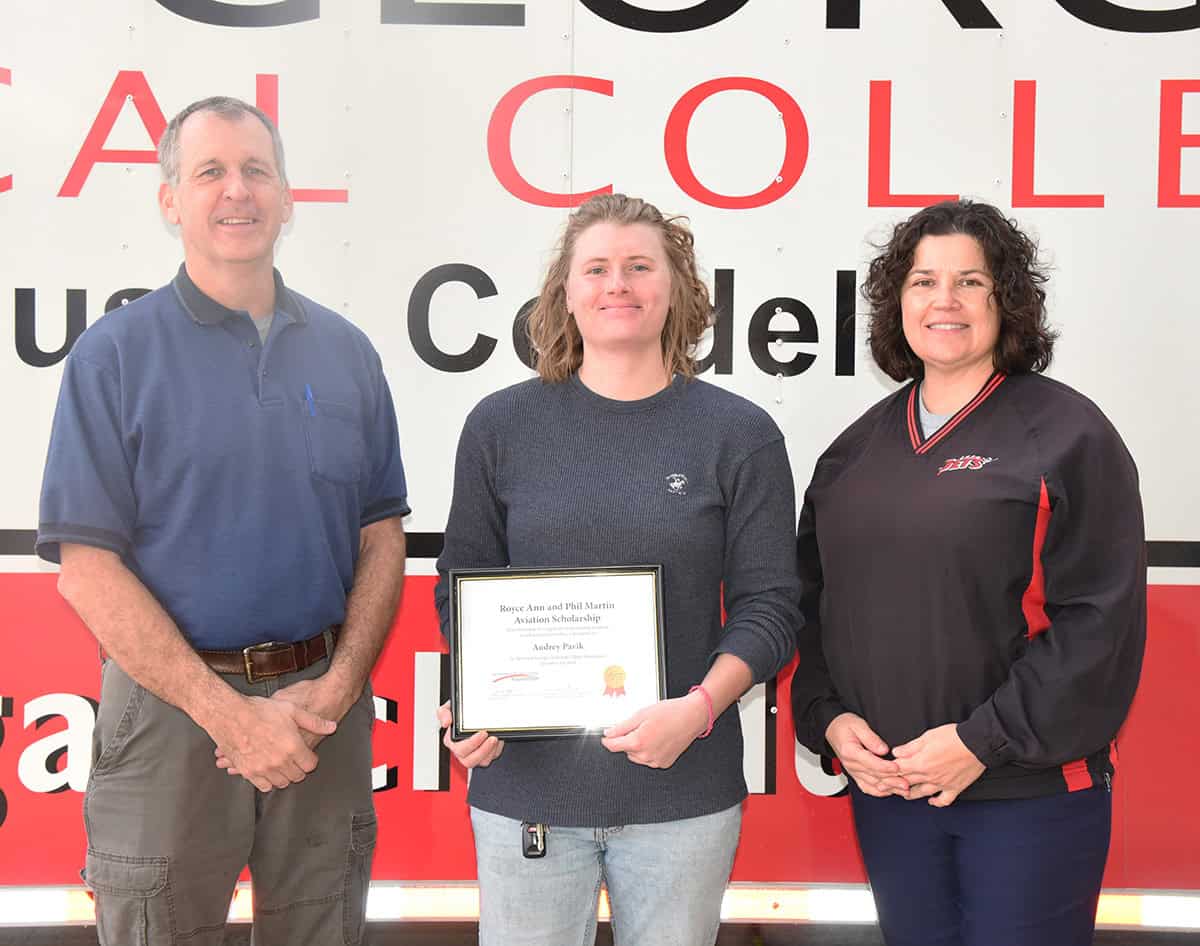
[[168, 832]]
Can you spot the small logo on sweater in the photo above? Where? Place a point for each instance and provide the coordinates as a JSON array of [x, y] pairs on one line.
[[971, 461], [677, 484]]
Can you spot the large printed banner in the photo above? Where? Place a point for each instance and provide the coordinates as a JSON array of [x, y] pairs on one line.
[[797, 826], [435, 148]]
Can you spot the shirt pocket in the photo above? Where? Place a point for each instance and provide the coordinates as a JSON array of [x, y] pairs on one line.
[[336, 451]]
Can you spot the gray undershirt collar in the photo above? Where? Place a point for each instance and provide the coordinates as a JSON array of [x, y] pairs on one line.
[[931, 423], [263, 325]]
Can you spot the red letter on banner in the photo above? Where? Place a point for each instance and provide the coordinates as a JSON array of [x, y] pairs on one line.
[[266, 97], [499, 139], [131, 85], [1172, 141], [795, 154], [5, 79], [1023, 149], [879, 155]]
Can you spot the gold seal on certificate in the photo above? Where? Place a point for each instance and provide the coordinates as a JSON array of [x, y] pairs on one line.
[[554, 652], [614, 681]]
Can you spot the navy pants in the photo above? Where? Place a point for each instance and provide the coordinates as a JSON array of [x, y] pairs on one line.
[[1017, 872]]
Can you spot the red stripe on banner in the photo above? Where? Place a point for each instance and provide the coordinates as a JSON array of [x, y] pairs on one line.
[[318, 195], [5, 76], [1033, 602], [5, 183], [1077, 776], [1112, 756]]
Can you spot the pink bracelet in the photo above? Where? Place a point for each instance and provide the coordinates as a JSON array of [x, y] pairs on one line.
[[708, 703]]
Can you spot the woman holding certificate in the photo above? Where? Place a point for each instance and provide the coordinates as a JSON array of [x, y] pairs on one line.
[[974, 573], [616, 455]]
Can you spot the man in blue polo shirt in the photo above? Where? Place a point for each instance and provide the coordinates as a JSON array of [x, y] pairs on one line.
[[224, 491]]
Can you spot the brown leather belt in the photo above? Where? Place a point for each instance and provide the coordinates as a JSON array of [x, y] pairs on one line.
[[262, 661]]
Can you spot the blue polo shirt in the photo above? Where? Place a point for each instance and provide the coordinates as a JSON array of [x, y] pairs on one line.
[[232, 477]]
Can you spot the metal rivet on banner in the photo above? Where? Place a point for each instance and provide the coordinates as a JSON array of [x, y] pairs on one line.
[[779, 249], [779, 179], [347, 175], [566, 35], [1004, 114], [779, 396], [998, 181], [124, 300], [774, 710], [787, 42], [778, 310], [124, 246]]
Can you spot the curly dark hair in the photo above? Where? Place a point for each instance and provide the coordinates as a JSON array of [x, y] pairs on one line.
[[1026, 342]]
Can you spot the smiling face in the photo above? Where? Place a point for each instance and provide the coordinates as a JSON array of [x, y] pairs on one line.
[[230, 200], [618, 288], [948, 307]]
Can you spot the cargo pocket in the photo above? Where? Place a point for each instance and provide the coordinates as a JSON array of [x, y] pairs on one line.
[[133, 900], [358, 876], [335, 442]]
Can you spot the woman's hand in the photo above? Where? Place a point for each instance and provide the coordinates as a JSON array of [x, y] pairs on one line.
[[658, 735], [477, 750], [860, 750], [937, 764]]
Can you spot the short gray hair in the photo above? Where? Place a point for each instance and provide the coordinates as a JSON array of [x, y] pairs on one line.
[[228, 108]]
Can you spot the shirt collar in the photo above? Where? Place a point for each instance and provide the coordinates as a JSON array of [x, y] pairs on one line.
[[208, 311]]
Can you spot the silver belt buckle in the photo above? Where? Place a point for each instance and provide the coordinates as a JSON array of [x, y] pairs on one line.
[[246, 651]]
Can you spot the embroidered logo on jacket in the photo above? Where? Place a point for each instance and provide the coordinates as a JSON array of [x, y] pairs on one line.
[[677, 484], [970, 462]]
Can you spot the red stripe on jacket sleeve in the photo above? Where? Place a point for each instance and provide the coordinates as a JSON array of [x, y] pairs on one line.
[[1033, 602]]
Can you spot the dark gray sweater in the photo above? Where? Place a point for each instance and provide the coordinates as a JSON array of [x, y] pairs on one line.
[[554, 474]]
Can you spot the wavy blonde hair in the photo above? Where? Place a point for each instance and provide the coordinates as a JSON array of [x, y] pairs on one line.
[[556, 343]]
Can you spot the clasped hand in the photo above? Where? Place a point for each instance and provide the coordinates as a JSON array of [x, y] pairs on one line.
[[936, 765], [270, 741]]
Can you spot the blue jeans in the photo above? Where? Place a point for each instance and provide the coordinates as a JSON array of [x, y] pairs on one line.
[[1015, 872], [665, 881]]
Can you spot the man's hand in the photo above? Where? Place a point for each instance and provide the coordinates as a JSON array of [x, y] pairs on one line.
[[264, 741], [860, 750], [659, 734], [477, 750], [938, 765]]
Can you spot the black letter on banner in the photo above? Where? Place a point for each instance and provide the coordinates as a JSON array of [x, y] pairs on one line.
[[216, 13], [844, 309], [521, 343], [123, 297], [664, 21], [761, 336], [1112, 16], [721, 353], [6, 709], [418, 317], [971, 14], [26, 326], [451, 14]]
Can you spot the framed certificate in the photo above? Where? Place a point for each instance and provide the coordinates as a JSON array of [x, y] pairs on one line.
[[554, 651]]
